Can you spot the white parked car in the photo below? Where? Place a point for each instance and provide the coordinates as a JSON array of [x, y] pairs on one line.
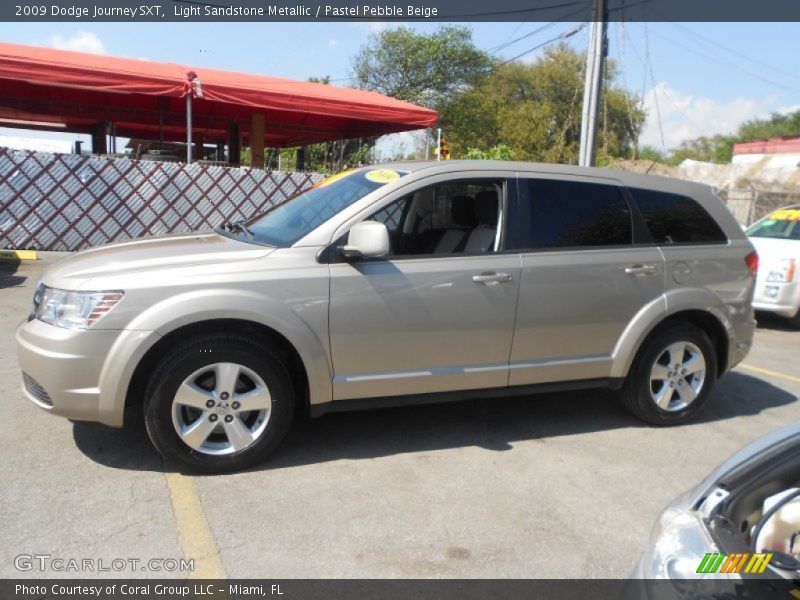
[[776, 238]]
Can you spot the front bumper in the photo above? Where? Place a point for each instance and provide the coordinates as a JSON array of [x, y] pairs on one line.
[[63, 366], [782, 299]]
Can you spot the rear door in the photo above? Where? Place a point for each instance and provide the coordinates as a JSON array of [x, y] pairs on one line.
[[587, 270]]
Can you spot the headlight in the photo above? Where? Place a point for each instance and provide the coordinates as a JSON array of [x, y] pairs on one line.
[[782, 271], [73, 310], [678, 543]]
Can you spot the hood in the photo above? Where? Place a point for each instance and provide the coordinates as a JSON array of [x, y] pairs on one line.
[[150, 254], [771, 249], [753, 456]]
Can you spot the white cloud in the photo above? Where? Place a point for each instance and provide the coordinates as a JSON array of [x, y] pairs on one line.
[[333, 42], [684, 116], [82, 41], [788, 109]]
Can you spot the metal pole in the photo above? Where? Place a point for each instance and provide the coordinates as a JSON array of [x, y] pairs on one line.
[[427, 142], [593, 85], [189, 128], [439, 143]]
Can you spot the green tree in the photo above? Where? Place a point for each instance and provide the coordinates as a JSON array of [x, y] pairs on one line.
[[499, 152], [775, 125], [426, 69], [535, 108]]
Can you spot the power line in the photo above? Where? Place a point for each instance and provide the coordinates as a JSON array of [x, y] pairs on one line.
[[508, 43], [649, 67], [716, 45], [567, 34], [505, 45], [620, 30], [726, 64]]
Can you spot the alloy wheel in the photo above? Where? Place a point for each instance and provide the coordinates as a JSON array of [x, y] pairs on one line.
[[677, 376], [221, 408]]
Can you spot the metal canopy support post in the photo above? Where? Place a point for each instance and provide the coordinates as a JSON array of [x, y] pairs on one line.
[[427, 142], [593, 85], [189, 128], [257, 131], [234, 145], [439, 143]]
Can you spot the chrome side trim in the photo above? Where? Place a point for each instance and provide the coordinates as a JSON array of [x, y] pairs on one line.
[[354, 377], [546, 362], [428, 373]]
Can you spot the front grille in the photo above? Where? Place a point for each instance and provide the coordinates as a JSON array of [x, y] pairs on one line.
[[36, 390]]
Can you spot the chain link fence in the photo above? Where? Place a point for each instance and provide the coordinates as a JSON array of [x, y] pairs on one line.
[[749, 205], [71, 202]]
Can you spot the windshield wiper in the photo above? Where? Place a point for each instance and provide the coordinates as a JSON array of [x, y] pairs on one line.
[[240, 225]]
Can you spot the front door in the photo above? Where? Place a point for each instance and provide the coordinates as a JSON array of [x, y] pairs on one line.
[[438, 313]]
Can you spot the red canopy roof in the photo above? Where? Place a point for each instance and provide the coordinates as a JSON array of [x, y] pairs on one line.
[[145, 100]]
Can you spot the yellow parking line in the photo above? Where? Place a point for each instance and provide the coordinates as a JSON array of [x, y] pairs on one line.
[[194, 532], [769, 372]]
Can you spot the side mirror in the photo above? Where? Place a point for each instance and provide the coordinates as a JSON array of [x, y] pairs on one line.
[[367, 239]]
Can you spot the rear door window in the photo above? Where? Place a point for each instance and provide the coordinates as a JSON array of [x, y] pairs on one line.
[[676, 219], [571, 214]]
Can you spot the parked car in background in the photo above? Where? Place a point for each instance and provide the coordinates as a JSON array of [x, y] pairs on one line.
[[737, 534], [399, 284], [776, 237]]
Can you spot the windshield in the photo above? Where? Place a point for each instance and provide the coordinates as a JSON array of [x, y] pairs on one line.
[[287, 223], [783, 224]]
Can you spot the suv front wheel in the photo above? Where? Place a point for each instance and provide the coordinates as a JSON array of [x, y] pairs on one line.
[[219, 403], [672, 376]]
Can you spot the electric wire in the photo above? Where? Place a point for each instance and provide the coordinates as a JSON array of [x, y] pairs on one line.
[[507, 43], [563, 36]]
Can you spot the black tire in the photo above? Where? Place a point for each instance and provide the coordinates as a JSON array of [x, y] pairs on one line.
[[636, 394], [192, 356]]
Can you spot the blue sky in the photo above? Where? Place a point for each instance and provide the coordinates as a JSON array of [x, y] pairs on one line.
[[701, 78]]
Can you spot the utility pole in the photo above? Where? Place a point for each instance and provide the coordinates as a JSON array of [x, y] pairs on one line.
[[595, 57]]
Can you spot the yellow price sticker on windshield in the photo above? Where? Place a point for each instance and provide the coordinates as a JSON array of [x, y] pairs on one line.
[[332, 179], [787, 214], [382, 175]]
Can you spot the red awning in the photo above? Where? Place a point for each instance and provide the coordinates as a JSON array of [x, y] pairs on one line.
[[144, 99]]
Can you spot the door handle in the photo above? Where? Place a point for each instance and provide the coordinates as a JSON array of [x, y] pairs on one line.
[[641, 269], [491, 278]]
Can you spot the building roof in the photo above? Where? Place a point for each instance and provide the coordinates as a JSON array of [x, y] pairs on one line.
[[46, 88], [789, 144]]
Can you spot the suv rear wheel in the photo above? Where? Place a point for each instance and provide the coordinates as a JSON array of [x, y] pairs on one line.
[[219, 403], [672, 376]]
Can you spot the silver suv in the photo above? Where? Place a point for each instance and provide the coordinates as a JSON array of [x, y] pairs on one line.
[[399, 284]]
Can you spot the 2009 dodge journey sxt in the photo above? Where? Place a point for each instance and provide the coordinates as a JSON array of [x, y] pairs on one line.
[[397, 284]]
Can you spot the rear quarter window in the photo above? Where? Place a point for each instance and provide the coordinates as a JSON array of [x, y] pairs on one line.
[[677, 219]]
